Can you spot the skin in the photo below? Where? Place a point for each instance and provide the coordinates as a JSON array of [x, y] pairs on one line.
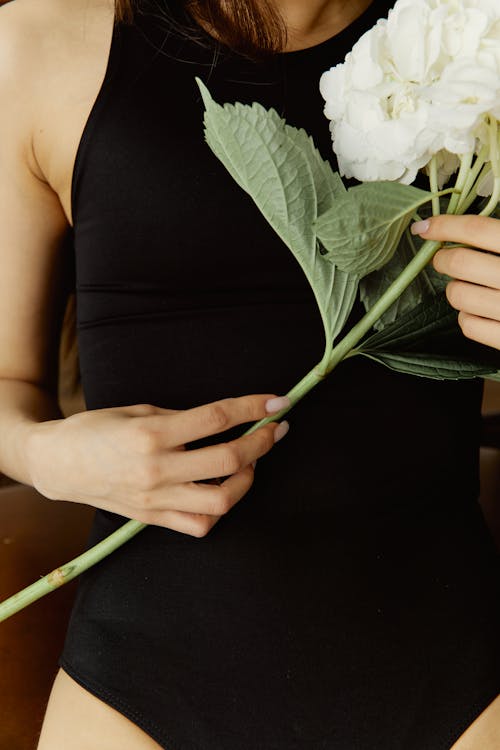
[[475, 289], [309, 23], [53, 56]]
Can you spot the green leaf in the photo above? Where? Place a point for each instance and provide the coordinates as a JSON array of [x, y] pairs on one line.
[[362, 231], [436, 367], [374, 285], [427, 341], [433, 317], [282, 171]]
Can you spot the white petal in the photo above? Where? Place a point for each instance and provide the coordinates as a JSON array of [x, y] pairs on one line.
[[485, 187]]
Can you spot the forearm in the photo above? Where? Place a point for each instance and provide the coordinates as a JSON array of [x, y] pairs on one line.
[[22, 405]]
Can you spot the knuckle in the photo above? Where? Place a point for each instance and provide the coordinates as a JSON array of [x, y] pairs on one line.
[[148, 476], [144, 500], [217, 416], [472, 224], [230, 460], [251, 408], [143, 517], [144, 440], [145, 410]]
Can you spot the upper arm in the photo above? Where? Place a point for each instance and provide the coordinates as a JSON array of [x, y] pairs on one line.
[[32, 223]]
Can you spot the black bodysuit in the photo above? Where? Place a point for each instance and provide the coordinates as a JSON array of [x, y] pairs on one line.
[[350, 600]]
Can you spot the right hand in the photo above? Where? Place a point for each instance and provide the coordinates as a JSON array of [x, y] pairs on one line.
[[132, 460]]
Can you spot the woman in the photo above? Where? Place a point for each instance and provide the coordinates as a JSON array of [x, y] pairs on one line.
[[324, 602]]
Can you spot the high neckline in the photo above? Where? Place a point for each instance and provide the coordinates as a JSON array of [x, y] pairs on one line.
[[364, 21]]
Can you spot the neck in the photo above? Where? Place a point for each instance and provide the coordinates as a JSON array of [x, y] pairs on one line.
[[310, 22]]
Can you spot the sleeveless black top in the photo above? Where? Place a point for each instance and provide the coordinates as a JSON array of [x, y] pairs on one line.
[[350, 600]]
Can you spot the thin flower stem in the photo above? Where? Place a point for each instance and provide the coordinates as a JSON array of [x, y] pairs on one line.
[[491, 167], [416, 265], [473, 194], [474, 173], [494, 149], [495, 166], [494, 200], [346, 346], [465, 166], [66, 573], [296, 394], [433, 180]]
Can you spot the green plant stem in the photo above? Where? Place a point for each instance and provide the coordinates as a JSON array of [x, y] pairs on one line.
[[474, 173], [494, 200], [495, 166], [394, 291], [433, 179], [494, 148], [473, 194], [66, 573], [346, 347], [296, 394], [492, 165], [465, 166]]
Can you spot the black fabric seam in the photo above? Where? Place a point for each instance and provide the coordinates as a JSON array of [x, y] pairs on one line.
[[117, 702]]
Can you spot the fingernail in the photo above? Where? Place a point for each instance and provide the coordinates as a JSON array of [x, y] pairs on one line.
[[420, 227], [275, 405], [280, 431]]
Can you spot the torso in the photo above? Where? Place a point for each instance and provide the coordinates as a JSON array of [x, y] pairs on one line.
[[66, 66]]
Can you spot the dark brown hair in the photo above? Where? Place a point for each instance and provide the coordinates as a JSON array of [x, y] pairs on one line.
[[253, 28]]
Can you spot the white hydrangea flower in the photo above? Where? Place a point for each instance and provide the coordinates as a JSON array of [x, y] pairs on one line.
[[486, 185], [419, 83]]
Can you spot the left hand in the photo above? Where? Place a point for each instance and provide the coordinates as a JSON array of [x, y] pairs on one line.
[[475, 289]]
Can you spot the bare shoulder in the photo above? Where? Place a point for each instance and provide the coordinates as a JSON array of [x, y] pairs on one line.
[[52, 53], [36, 34], [40, 17], [52, 56]]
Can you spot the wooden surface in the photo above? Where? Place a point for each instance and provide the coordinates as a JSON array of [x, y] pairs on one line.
[[491, 400]]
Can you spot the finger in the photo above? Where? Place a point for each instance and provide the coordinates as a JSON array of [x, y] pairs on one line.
[[474, 300], [198, 499], [211, 419], [192, 524], [469, 265], [478, 231], [220, 460], [482, 330]]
